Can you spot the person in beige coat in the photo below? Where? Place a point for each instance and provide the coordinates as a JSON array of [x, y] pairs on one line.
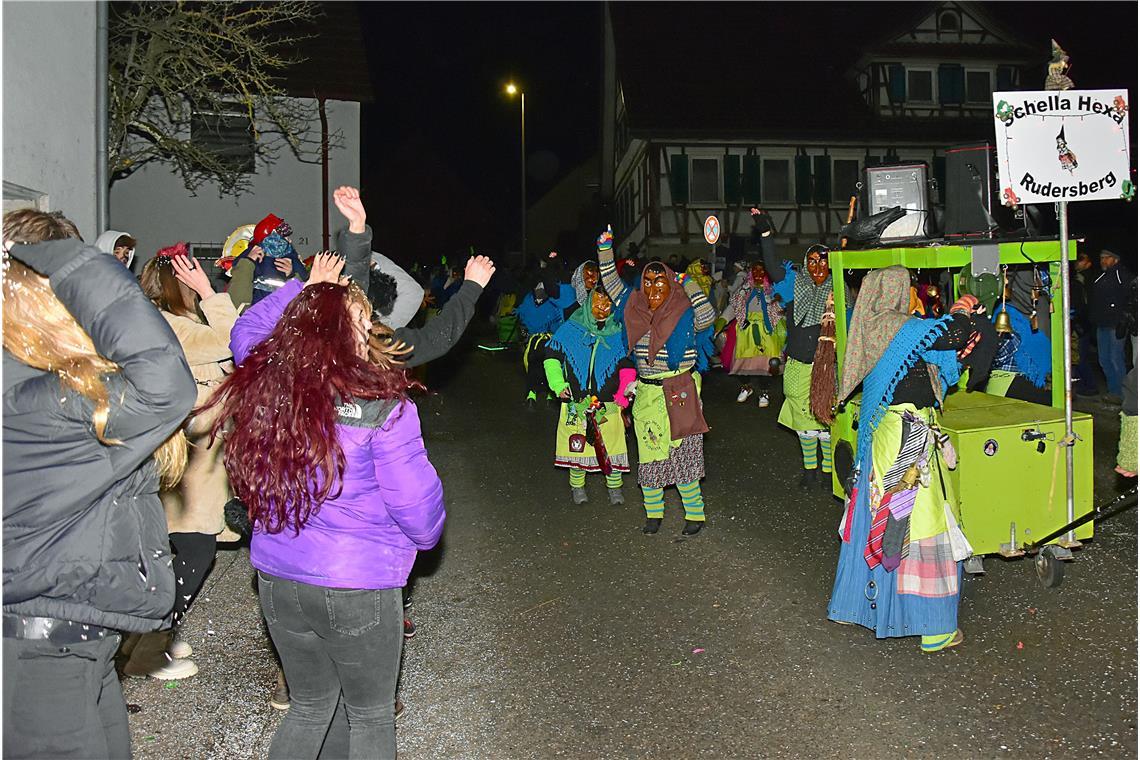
[[201, 320]]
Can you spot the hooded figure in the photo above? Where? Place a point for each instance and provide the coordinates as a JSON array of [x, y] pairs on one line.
[[112, 241]]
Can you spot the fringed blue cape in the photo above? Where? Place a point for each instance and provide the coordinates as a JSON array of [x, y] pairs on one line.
[[1034, 355]]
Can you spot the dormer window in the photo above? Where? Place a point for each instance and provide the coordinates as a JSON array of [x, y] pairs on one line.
[[948, 21]]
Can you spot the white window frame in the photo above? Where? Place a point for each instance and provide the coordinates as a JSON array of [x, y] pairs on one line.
[[991, 74], [706, 156], [933, 84]]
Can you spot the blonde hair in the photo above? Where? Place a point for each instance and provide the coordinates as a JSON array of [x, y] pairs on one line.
[[383, 349], [40, 332]]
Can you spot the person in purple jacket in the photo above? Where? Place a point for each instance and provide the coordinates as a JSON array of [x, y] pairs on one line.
[[324, 447]]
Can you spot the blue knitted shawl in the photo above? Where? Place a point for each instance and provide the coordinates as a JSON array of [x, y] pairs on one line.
[[576, 339], [911, 345], [685, 338], [539, 318], [1034, 356]]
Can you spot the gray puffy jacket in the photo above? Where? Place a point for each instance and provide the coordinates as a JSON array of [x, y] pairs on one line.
[[85, 535]]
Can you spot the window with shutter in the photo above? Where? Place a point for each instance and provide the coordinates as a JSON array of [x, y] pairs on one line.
[[751, 180], [679, 178], [1006, 78], [803, 180], [919, 86], [228, 136], [951, 84], [896, 83], [821, 169], [732, 180], [978, 88]]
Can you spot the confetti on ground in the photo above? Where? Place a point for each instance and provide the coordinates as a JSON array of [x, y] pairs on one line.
[[698, 650], [1020, 645], [170, 685]]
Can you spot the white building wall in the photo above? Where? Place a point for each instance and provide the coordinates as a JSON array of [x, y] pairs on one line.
[[155, 207], [49, 105]]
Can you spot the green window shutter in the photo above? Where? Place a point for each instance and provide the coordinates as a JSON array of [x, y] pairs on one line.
[[751, 179], [803, 180], [951, 84], [732, 180], [1004, 79], [896, 83], [679, 178], [822, 171]]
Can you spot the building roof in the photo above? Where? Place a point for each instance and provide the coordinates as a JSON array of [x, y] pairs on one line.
[[335, 64], [763, 70]]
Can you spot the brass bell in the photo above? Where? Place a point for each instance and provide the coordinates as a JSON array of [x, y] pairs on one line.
[[1002, 324]]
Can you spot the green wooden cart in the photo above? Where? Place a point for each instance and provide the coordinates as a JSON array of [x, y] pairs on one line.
[[1009, 488]]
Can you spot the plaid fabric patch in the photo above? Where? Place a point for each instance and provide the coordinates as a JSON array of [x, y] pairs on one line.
[[929, 569]]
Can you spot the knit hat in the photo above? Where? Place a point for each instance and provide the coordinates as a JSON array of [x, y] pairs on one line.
[[1107, 252]]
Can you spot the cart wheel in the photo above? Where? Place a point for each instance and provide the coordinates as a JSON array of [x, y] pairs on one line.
[[843, 459], [1050, 570]]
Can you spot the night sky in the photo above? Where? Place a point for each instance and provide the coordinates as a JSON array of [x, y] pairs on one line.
[[439, 70]]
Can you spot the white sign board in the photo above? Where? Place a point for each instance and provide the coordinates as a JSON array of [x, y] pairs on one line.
[[1062, 146]]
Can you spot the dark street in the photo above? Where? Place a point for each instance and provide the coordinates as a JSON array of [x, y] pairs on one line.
[[549, 630]]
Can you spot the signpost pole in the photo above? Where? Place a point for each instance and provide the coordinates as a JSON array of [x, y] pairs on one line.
[[1066, 333]]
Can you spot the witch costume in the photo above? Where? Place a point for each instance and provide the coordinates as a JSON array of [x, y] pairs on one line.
[[670, 346], [541, 312], [899, 570], [584, 356], [755, 334], [804, 303]]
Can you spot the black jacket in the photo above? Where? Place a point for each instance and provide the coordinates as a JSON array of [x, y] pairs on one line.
[[85, 535], [1107, 296]]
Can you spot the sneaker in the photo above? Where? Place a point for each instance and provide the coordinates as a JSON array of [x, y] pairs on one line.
[[280, 698], [616, 496], [174, 670], [762, 402], [407, 601], [409, 628], [179, 648], [745, 393], [579, 495]]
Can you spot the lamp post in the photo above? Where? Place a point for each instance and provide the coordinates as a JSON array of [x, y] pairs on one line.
[[512, 89]]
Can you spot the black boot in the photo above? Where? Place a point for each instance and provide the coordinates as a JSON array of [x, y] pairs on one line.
[[692, 527], [825, 481], [808, 479], [652, 525]]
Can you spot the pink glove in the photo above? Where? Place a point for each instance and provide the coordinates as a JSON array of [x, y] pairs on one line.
[[626, 376]]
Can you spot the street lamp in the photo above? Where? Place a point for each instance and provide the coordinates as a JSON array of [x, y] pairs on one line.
[[512, 90]]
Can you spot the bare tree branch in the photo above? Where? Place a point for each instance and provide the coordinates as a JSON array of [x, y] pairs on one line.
[[170, 61]]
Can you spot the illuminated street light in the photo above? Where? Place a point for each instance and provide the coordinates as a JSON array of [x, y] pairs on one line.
[[512, 89]]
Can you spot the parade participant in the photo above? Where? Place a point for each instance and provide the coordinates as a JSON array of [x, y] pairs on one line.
[[583, 358], [178, 285], [666, 323], [899, 570], [701, 273], [1126, 449], [1024, 358], [542, 311], [1107, 296], [341, 495], [803, 293], [94, 383], [755, 334], [119, 244], [274, 260]]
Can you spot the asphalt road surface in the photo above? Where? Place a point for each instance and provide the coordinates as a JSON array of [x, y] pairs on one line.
[[552, 630]]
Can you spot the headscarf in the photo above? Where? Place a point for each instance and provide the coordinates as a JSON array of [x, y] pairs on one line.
[[639, 319], [809, 299], [578, 280], [881, 310], [749, 290], [697, 273], [580, 337]]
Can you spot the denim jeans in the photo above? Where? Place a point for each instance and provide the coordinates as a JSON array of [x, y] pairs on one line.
[[335, 644], [64, 701], [1110, 349]]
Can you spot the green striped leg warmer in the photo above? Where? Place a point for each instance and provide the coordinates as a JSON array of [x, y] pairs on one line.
[[654, 499], [577, 477], [825, 451], [807, 446], [692, 500], [613, 480]]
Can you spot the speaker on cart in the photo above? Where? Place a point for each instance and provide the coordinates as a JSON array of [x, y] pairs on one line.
[[905, 186], [971, 191]]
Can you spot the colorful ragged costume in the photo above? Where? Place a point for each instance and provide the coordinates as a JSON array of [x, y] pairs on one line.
[[584, 356], [670, 346], [756, 332], [899, 570]]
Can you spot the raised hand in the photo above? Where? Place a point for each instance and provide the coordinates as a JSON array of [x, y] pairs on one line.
[[348, 203], [606, 239], [480, 270], [327, 267], [191, 274]]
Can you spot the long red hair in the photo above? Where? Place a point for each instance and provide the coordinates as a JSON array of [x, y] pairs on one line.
[[278, 409]]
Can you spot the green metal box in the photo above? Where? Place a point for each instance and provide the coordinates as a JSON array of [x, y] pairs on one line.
[[1003, 479]]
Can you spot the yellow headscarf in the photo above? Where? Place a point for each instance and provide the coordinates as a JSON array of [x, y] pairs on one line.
[[698, 274]]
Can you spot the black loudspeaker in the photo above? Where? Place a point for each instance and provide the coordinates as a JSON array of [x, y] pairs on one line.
[[971, 191], [905, 186]]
